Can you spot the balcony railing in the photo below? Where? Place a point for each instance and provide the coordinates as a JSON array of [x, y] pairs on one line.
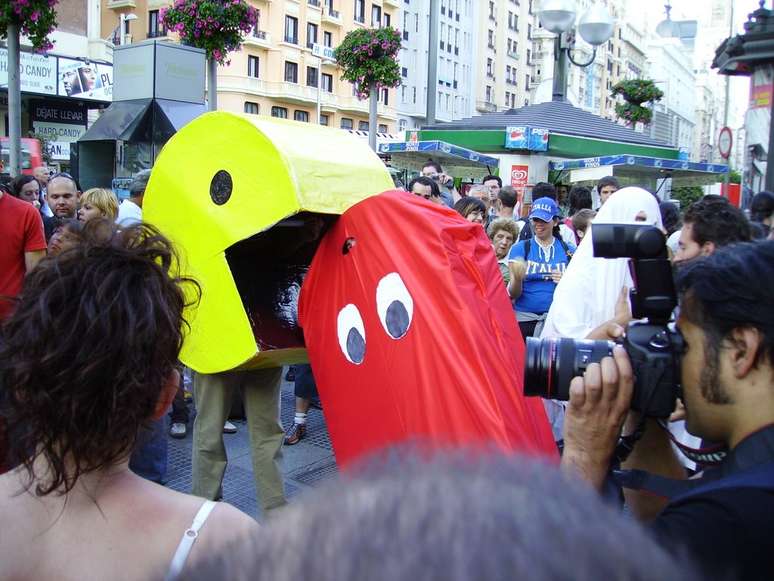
[[315, 3], [259, 34]]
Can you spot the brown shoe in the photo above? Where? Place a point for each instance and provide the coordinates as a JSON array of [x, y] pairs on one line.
[[295, 434]]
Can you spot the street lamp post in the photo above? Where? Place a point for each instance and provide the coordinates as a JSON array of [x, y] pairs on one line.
[[124, 18], [595, 27]]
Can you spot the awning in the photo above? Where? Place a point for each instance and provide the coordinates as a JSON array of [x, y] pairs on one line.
[[138, 119], [444, 153], [119, 121], [640, 167]]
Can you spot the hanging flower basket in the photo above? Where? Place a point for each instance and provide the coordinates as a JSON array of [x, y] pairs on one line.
[[36, 20], [369, 57], [217, 26]]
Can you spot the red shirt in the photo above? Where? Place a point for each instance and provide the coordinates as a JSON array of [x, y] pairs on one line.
[[21, 230]]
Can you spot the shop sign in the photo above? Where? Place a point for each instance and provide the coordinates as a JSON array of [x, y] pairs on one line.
[[58, 111]]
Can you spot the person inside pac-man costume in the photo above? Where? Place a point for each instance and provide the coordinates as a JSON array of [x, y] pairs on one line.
[[411, 334], [245, 200]]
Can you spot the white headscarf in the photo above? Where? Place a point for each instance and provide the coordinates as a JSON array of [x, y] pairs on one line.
[[586, 296]]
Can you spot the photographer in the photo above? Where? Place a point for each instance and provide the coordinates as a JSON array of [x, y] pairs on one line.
[[434, 171], [727, 374]]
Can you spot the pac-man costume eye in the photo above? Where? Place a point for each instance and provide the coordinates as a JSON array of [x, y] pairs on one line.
[[221, 187], [351, 331], [394, 305]]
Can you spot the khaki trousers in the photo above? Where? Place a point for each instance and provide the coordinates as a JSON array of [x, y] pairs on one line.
[[213, 396]]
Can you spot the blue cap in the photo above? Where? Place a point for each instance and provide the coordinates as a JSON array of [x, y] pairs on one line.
[[544, 209]]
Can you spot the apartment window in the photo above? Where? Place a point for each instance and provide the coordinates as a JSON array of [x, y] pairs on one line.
[[346, 123], [311, 34], [325, 119], [376, 16], [387, 20], [327, 82], [488, 67], [311, 76], [491, 42], [291, 29], [291, 72], [489, 94], [155, 26], [253, 66], [360, 11], [386, 96], [328, 39], [383, 129], [252, 108], [403, 72], [301, 116], [362, 125], [280, 112]]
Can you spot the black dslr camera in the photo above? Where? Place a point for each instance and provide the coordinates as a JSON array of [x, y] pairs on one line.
[[654, 349]]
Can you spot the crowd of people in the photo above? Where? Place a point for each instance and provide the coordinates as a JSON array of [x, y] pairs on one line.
[[92, 316]]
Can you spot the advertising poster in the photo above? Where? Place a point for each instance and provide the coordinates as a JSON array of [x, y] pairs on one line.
[[538, 139], [516, 137], [85, 80], [519, 179], [37, 72]]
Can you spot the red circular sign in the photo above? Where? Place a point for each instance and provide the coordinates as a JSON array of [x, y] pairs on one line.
[[725, 141]]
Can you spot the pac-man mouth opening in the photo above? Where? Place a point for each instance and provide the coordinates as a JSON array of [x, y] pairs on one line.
[[269, 268]]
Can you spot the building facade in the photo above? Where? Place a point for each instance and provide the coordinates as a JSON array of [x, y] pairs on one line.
[[454, 93], [670, 67], [504, 68], [276, 73]]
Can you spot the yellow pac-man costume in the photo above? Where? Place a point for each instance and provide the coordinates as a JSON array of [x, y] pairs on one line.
[[220, 190]]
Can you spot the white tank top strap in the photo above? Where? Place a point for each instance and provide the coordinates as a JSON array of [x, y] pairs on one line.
[[188, 540]]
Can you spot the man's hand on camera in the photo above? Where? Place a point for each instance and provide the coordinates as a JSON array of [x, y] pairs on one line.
[[599, 402]]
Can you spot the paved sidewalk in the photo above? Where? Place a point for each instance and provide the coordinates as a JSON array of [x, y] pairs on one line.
[[306, 464]]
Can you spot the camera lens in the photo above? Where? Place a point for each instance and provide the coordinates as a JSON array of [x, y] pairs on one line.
[[552, 363]]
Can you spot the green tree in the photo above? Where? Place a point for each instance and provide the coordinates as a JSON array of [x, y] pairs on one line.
[[369, 59], [687, 195], [636, 92]]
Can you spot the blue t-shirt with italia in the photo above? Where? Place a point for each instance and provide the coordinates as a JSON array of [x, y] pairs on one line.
[[537, 289]]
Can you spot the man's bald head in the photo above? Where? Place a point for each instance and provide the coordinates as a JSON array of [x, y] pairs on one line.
[[41, 174], [62, 195]]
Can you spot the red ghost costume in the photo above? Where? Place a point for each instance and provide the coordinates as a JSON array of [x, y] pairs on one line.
[[411, 334]]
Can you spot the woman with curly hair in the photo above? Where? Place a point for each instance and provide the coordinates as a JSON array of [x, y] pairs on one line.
[[86, 361]]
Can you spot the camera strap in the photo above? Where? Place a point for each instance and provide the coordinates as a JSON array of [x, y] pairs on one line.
[[706, 456]]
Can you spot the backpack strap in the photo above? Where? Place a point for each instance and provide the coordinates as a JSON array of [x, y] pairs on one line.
[[566, 248], [527, 248]]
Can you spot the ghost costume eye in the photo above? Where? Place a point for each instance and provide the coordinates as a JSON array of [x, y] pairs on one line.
[[351, 332], [394, 305]]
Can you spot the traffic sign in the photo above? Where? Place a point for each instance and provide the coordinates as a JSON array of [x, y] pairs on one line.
[[725, 141]]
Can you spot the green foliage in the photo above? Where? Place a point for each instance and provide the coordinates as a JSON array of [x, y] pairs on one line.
[[734, 177], [217, 26], [687, 195], [369, 56], [36, 20], [636, 92]]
